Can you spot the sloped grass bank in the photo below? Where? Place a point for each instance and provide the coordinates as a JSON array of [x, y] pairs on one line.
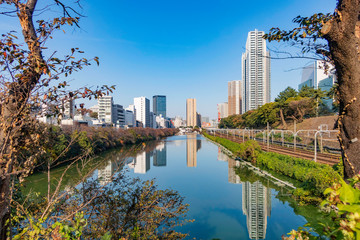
[[313, 177]]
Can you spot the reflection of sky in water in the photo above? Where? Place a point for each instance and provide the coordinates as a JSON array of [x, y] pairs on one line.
[[204, 175]]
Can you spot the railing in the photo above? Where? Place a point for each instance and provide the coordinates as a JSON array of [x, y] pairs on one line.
[[266, 134]]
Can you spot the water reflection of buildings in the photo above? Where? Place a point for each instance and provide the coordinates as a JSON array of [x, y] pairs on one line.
[[222, 156], [159, 157], [192, 146], [232, 176], [256, 199], [105, 174], [256, 205], [142, 162], [114, 164]]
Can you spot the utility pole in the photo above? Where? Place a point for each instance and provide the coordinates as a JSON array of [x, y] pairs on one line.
[[294, 135], [267, 136]]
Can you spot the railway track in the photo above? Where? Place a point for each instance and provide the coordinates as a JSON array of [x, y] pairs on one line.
[[325, 158]]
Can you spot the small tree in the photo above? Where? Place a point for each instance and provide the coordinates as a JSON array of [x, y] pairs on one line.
[[281, 102], [30, 80]]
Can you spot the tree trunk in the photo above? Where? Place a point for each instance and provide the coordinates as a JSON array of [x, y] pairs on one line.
[[342, 34], [13, 111], [4, 206], [283, 122]]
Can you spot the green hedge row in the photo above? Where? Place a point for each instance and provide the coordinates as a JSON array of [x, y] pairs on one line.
[[315, 177]]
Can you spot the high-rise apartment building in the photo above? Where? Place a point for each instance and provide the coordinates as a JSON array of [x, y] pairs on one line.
[[142, 107], [105, 104], [234, 97], [191, 116], [255, 72], [159, 105]]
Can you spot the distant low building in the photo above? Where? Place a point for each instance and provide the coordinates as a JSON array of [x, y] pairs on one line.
[[222, 109], [179, 122]]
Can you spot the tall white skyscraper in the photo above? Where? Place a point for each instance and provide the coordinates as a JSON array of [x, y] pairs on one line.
[[255, 72], [142, 107]]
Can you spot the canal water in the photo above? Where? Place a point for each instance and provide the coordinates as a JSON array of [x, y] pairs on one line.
[[224, 205]]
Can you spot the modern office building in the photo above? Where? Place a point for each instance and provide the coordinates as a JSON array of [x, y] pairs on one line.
[[314, 73], [129, 119], [315, 76], [198, 119], [222, 109], [118, 115], [105, 104], [256, 205], [191, 115], [234, 97], [152, 120], [142, 107], [159, 105], [255, 72]]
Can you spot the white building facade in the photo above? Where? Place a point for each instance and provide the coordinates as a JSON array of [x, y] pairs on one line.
[[255, 72], [142, 107], [105, 104]]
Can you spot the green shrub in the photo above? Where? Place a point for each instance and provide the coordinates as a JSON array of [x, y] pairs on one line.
[[315, 177], [249, 151]]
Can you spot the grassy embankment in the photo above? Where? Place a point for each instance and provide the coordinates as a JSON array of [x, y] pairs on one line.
[[313, 177]]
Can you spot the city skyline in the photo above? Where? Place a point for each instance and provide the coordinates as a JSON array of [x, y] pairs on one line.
[[163, 52]]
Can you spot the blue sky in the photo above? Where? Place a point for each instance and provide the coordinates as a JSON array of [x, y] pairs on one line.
[[181, 49]]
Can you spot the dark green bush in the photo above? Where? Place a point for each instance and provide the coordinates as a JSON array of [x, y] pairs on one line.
[[249, 151]]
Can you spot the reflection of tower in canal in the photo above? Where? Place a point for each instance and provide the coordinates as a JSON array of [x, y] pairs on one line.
[[232, 176], [256, 205], [222, 156], [142, 162], [159, 159], [105, 174], [192, 146]]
